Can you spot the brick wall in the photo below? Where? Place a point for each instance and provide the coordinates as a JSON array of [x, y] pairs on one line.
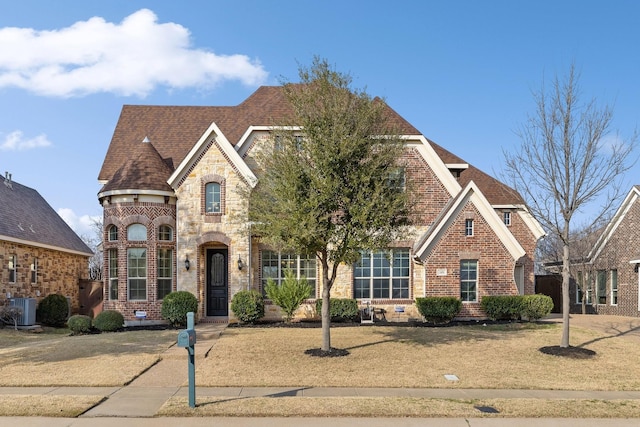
[[623, 246], [151, 215]]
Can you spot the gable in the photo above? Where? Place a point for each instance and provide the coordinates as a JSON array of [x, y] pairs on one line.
[[453, 210], [26, 218], [629, 211]]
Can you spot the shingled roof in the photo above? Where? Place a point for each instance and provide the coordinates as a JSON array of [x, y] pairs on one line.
[[173, 130], [145, 170], [26, 217]]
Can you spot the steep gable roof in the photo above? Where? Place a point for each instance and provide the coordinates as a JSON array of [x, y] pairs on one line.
[[496, 192], [26, 218], [472, 193]]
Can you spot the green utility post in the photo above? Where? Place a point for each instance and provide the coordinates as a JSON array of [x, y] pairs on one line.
[[187, 339]]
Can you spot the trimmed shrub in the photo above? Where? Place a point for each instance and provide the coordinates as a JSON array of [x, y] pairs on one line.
[[439, 309], [53, 310], [79, 324], [535, 307], [248, 306], [108, 321], [502, 307], [175, 307], [340, 309], [288, 295]]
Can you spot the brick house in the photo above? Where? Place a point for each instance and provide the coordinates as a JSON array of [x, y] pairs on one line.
[[609, 275], [173, 219], [39, 253]]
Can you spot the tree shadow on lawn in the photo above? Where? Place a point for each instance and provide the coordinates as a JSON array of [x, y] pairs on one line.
[[416, 333], [69, 348]]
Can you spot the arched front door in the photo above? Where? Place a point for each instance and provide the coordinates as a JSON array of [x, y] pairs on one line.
[[217, 285]]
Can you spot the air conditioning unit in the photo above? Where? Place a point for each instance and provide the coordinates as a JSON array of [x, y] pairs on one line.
[[28, 306]]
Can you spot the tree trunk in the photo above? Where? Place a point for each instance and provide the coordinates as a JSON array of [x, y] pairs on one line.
[[565, 292], [326, 313]]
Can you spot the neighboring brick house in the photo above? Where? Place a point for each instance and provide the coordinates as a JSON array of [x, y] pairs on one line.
[[609, 275], [39, 253], [175, 220]]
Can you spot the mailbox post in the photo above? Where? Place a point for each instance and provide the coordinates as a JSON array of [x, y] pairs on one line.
[[187, 339]]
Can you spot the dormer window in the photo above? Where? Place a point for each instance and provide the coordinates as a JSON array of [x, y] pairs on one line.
[[506, 216]]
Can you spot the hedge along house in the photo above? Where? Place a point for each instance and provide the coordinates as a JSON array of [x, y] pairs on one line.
[[609, 274], [174, 219], [39, 253]]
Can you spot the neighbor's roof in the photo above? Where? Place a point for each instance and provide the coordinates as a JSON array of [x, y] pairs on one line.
[[27, 218]]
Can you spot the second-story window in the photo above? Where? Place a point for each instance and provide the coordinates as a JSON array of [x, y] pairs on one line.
[[137, 232], [213, 198], [468, 227]]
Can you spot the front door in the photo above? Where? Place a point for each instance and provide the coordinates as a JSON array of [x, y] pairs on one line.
[[217, 292]]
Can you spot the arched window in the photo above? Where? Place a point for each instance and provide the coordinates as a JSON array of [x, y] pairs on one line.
[[113, 233], [137, 232], [165, 233], [212, 198]]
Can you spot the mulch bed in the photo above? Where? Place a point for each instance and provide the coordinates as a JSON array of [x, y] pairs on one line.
[[334, 352], [569, 352]]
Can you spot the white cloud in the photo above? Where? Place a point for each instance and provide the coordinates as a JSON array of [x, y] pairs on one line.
[[129, 58], [15, 141], [82, 225]]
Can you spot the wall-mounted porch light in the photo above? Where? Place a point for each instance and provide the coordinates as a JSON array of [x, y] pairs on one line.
[[187, 264], [240, 263]]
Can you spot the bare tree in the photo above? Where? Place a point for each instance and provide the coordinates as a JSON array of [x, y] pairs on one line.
[[94, 242], [565, 162]]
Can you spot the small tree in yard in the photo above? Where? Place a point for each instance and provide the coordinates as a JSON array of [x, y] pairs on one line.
[[565, 162], [326, 187], [289, 294]]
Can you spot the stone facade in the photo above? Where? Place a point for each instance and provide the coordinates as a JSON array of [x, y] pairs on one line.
[[57, 272]]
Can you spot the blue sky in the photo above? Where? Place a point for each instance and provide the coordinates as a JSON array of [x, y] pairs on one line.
[[460, 71]]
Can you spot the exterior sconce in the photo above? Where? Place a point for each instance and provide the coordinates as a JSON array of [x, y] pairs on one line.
[[240, 263], [187, 264]]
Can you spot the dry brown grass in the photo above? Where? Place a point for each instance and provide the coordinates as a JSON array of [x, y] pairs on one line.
[[398, 407], [482, 357], [53, 359], [46, 406]]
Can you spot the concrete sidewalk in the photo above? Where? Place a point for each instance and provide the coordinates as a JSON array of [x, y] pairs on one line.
[[139, 401]]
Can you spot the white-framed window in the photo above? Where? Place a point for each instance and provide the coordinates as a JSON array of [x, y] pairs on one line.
[[12, 266], [382, 274], [397, 180], [274, 264], [468, 227], [469, 280], [601, 287], [165, 272], [34, 271], [506, 217], [212, 197], [614, 287], [137, 232], [584, 283], [113, 233], [137, 273], [113, 274], [165, 233]]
